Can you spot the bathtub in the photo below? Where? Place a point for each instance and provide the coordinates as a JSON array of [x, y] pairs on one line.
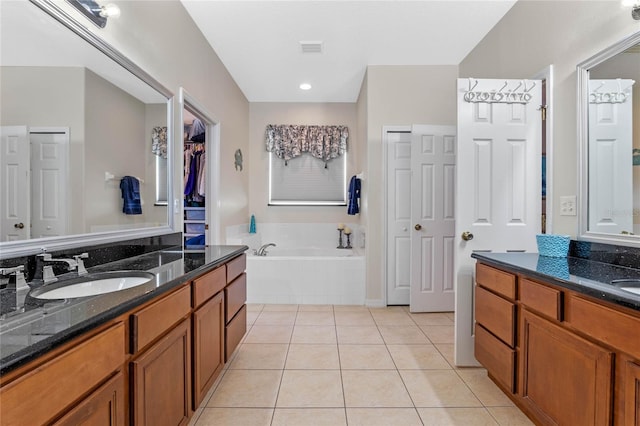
[[306, 275]]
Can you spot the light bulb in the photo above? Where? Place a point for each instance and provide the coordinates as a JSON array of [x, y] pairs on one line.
[[110, 11], [305, 86]]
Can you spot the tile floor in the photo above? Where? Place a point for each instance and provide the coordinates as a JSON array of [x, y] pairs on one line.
[[305, 365]]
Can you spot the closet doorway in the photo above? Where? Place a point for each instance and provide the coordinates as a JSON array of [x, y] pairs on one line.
[[200, 175]]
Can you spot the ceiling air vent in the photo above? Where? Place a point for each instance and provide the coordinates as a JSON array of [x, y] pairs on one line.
[[311, 46]]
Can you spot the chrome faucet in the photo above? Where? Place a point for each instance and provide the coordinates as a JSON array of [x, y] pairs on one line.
[[44, 272], [262, 251], [16, 277]]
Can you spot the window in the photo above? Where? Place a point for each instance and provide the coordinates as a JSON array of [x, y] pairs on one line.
[[304, 180]]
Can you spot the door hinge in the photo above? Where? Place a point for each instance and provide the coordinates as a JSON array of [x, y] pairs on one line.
[[543, 112]]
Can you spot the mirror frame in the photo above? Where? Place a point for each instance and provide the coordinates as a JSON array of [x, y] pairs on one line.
[[582, 103], [11, 249]]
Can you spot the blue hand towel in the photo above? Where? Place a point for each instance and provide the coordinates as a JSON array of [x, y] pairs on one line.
[[130, 188], [354, 196]]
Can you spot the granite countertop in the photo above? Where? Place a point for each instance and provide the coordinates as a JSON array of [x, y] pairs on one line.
[[581, 275], [42, 327]]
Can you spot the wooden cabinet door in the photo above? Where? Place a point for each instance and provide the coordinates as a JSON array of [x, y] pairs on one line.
[[161, 380], [632, 395], [104, 407], [565, 380], [208, 346]]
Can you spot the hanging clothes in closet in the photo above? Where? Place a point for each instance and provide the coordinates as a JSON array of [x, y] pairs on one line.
[[195, 166]]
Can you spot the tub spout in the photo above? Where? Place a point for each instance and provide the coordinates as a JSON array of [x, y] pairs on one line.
[[262, 251]]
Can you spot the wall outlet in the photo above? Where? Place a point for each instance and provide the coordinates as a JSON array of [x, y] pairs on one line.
[[568, 205]]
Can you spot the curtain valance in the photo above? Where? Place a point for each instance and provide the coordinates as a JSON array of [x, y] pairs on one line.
[[291, 141]]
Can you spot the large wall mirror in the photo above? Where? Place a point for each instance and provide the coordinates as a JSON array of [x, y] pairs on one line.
[[609, 132], [76, 117]]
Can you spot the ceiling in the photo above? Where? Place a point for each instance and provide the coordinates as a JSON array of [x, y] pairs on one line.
[[259, 41]]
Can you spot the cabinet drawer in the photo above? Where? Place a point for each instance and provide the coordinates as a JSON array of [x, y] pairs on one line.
[[235, 295], [497, 315], [236, 266], [497, 281], [496, 357], [602, 323], [50, 388], [105, 406], [154, 320], [234, 332], [206, 286], [538, 297]]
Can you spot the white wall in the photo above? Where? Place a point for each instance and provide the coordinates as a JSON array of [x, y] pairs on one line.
[[396, 95], [534, 34], [28, 98], [161, 38], [263, 113]]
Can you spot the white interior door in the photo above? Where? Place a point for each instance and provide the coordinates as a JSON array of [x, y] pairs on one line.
[[498, 183], [433, 159], [398, 217], [49, 158], [610, 165], [14, 175]]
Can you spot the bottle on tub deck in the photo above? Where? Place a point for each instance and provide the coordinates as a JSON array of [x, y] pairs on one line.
[[252, 225]]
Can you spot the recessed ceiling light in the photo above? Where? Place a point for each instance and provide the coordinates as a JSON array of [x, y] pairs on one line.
[[305, 86]]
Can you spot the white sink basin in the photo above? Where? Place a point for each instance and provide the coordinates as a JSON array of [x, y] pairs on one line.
[[93, 284], [635, 290]]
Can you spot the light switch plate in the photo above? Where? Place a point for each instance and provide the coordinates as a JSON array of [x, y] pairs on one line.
[[568, 205]]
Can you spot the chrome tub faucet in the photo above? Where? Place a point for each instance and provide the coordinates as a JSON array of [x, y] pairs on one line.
[[262, 251]]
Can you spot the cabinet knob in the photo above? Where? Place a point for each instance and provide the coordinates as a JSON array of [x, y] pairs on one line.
[[19, 225], [417, 227]]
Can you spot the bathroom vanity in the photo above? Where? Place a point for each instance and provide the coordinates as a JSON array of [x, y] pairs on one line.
[[144, 355], [559, 338]]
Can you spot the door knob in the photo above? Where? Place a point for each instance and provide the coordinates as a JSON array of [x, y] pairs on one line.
[[19, 225], [467, 236], [418, 227]]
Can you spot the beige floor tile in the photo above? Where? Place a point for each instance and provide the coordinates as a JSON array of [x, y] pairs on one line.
[[439, 318], [260, 356], [374, 388], [417, 357], [251, 317], [456, 417], [269, 334], [315, 318], [509, 416], [254, 307], [389, 309], [317, 388], [447, 351], [399, 317], [383, 417], [393, 334], [312, 357], [350, 308], [309, 417], [276, 318], [314, 334], [483, 387], [359, 335], [235, 417], [315, 308], [438, 388], [247, 388], [354, 318], [439, 333], [365, 357], [274, 307]]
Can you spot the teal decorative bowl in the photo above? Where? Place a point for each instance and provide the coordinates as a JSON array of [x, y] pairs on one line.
[[553, 245]]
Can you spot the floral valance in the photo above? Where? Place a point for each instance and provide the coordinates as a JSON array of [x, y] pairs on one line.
[[159, 141], [291, 141]]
